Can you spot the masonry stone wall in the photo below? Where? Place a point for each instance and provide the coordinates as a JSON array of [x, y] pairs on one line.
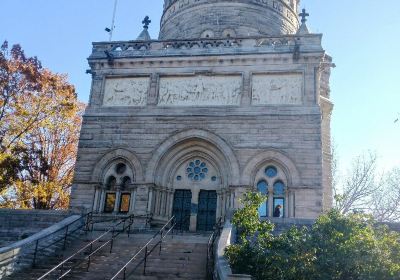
[[16, 225], [215, 18], [237, 103]]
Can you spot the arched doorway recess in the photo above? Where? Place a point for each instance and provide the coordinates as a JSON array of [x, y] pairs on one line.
[[195, 169]]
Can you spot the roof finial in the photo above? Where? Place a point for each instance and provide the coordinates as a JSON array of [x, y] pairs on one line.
[[304, 16], [146, 22]]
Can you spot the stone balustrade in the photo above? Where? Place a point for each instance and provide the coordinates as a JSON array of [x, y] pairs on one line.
[[126, 49]]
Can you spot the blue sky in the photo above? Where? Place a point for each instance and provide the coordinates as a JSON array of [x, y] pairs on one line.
[[361, 35]]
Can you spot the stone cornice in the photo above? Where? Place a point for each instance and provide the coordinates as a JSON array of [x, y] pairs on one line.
[[215, 112]]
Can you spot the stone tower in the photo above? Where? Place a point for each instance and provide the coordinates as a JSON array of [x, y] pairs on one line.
[[188, 19], [233, 96]]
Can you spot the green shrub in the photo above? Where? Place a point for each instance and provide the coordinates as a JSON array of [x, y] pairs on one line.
[[336, 247]]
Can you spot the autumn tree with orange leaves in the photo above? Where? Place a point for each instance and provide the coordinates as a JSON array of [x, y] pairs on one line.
[[40, 119]]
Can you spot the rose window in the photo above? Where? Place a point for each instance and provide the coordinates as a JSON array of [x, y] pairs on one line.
[[197, 170]]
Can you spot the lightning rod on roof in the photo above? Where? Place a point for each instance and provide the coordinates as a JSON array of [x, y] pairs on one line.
[[110, 30]]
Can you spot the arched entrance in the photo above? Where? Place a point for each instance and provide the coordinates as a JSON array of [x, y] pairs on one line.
[[199, 168], [195, 182]]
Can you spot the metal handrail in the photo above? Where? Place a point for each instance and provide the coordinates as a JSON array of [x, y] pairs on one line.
[[211, 249], [64, 238], [111, 229], [145, 247]]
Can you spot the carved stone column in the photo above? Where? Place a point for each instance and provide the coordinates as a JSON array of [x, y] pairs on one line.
[[219, 204], [163, 201], [102, 200], [270, 201], [158, 202], [117, 200], [150, 200], [287, 204], [170, 201]]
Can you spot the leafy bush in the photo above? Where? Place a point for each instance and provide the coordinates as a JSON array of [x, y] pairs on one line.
[[337, 247]]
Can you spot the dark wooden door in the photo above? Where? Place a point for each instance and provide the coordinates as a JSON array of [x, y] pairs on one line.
[[182, 208], [207, 209]]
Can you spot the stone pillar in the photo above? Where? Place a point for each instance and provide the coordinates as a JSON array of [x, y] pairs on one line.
[[133, 200], [193, 215], [287, 204], [157, 202], [232, 202], [170, 201], [102, 201], [219, 204], [292, 195], [117, 200], [150, 201], [95, 199], [270, 201], [163, 201]]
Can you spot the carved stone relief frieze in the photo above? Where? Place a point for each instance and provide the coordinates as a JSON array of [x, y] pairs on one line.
[[199, 90], [277, 89], [126, 91]]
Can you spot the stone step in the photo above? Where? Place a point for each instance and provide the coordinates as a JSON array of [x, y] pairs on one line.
[[182, 257]]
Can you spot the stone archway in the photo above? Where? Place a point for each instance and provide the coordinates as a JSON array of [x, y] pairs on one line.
[[288, 176], [194, 161]]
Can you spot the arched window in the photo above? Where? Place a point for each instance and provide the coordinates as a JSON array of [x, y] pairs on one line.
[[279, 199], [117, 193], [271, 182], [262, 187]]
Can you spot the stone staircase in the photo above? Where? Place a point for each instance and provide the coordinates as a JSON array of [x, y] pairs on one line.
[[182, 256]]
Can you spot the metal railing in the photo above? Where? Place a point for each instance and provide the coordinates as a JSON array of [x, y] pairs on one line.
[[69, 230], [162, 233], [126, 223], [211, 249]]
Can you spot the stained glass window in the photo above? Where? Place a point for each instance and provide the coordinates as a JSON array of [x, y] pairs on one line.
[[125, 203], [109, 203], [197, 170], [271, 171]]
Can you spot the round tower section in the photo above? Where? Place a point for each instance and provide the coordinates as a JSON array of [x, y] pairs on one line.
[[189, 19]]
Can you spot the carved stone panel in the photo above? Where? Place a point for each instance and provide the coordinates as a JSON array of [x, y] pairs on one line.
[[126, 91], [277, 89], [199, 90]]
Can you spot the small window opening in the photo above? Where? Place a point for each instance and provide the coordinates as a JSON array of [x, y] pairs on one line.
[[125, 203], [109, 203]]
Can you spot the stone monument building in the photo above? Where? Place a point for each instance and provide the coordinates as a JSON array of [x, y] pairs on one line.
[[233, 96]]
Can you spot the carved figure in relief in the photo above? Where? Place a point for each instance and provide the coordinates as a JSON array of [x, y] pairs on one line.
[[277, 89], [200, 91], [126, 92]]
